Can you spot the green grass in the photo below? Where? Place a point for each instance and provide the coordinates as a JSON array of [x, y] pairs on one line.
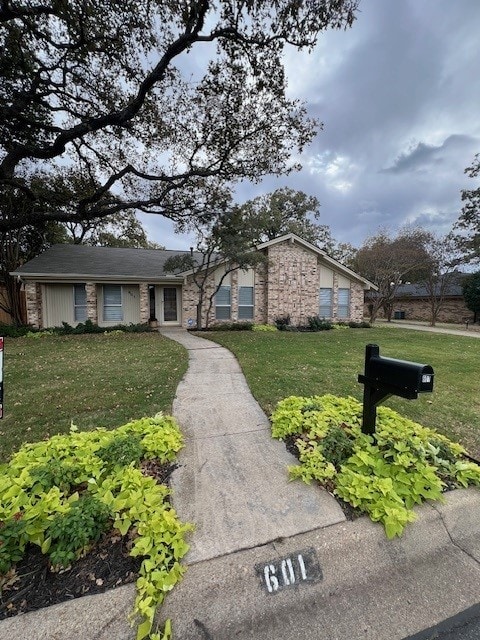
[[281, 364], [92, 380]]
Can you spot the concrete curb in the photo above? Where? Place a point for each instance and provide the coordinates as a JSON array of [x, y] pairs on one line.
[[371, 587], [98, 617]]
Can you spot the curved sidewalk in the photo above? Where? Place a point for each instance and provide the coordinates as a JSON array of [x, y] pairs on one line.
[[232, 481]]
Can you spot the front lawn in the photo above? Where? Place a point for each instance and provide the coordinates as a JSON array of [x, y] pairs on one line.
[[283, 364], [103, 380]]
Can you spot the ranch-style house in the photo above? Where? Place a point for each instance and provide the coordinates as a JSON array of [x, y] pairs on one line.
[[110, 286]]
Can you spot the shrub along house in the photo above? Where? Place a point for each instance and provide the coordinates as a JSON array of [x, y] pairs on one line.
[[109, 286]]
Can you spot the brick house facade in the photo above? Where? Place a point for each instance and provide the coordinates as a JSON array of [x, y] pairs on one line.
[[288, 283], [73, 283]]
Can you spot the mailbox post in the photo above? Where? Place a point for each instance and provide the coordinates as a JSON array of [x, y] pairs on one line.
[[385, 377]]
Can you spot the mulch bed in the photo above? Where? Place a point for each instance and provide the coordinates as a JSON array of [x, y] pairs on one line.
[[32, 584]]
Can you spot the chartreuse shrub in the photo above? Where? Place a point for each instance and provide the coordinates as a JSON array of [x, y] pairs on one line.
[[265, 328], [405, 464], [63, 493]]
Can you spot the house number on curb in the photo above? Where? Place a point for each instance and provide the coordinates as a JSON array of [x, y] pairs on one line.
[[299, 568]]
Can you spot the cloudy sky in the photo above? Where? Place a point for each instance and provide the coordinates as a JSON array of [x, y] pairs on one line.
[[399, 97]]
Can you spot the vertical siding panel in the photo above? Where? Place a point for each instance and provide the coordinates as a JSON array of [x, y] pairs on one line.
[[131, 304], [58, 304]]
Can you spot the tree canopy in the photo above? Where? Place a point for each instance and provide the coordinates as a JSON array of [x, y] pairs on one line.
[[469, 220], [471, 293], [285, 211], [159, 102], [226, 241], [388, 262]]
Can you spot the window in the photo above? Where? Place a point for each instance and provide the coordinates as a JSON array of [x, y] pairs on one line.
[[112, 303], [222, 304], [245, 303], [79, 303], [343, 303], [326, 299]]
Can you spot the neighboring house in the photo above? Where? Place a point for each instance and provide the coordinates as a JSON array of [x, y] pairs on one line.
[[70, 283], [412, 302]]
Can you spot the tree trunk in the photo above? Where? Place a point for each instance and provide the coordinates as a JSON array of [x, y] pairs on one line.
[[199, 315]]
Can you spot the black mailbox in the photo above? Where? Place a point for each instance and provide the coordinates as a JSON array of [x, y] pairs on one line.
[[410, 378], [385, 377]]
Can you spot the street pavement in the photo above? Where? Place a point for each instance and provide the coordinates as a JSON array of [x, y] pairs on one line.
[[277, 559], [463, 626]]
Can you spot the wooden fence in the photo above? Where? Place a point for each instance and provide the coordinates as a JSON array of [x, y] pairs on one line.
[[6, 318]]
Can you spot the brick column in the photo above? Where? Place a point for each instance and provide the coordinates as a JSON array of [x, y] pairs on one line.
[[144, 303], [92, 309], [33, 298], [335, 296], [357, 295]]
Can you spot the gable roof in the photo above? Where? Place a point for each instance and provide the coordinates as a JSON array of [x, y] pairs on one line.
[[324, 257], [80, 262]]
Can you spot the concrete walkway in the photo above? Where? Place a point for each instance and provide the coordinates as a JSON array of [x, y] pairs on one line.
[[273, 559], [232, 481]]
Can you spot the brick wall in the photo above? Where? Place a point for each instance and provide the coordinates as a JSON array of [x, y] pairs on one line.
[[454, 310], [92, 309], [289, 284], [357, 296], [144, 302], [260, 294], [190, 300], [33, 297], [293, 283]]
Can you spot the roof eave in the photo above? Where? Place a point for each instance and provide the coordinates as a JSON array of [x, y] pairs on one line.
[[291, 237], [83, 277]]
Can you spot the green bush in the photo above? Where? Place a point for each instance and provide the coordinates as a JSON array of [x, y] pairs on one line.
[[282, 323], [12, 331], [231, 326], [264, 327], [61, 495], [89, 327], [66, 329], [121, 450], [71, 533], [315, 323], [383, 476]]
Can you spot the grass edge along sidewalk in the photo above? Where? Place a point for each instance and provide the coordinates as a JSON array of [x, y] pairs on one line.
[[281, 364]]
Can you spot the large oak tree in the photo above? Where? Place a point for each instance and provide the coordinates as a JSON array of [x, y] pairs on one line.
[[159, 102]]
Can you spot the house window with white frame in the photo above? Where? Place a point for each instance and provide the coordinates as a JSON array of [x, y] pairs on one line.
[[112, 303], [326, 302], [223, 303], [343, 311], [79, 303], [245, 303]]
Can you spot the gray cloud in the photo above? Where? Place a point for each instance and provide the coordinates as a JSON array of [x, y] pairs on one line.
[[398, 95], [425, 156]]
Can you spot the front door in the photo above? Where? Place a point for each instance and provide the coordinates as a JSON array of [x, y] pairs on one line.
[[170, 313]]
